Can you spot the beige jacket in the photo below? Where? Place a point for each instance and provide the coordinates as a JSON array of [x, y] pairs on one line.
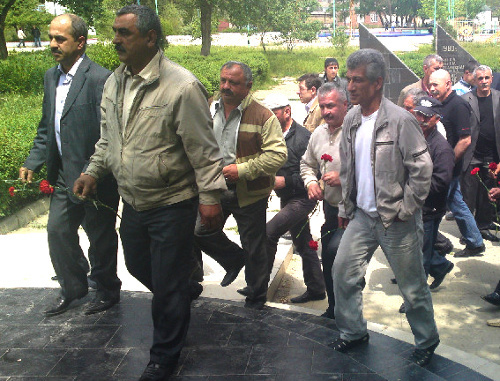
[[313, 118], [167, 152]]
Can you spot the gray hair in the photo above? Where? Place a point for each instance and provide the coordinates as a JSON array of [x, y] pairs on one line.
[[482, 68], [330, 87], [247, 72], [147, 20], [372, 59], [416, 94], [430, 57]]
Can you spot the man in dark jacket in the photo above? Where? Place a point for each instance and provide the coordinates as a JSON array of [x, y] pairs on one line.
[[434, 207], [295, 203]]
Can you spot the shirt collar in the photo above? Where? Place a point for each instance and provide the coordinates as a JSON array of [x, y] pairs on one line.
[[309, 105], [71, 73], [148, 71]]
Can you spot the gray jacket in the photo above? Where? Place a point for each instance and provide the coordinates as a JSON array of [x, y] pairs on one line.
[[401, 164]]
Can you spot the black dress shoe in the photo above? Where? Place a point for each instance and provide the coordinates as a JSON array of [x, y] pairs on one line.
[[230, 276], [468, 252], [255, 304], [54, 278], [245, 291], [488, 236], [157, 372], [402, 309], [61, 306], [307, 297], [342, 345], [99, 304], [422, 357], [439, 279], [493, 298], [329, 313]]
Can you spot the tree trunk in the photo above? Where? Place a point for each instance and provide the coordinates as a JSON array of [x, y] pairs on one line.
[[206, 27], [3, 14]]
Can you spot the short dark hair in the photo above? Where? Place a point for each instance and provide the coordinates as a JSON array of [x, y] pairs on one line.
[[372, 59], [470, 66], [331, 61], [147, 20], [247, 72], [330, 87], [310, 80], [78, 26]]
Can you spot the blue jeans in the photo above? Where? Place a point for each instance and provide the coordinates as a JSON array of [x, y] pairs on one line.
[[401, 243], [463, 216], [434, 264]]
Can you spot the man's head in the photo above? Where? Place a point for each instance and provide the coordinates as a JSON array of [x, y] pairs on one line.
[[280, 105], [331, 68], [469, 68], [235, 82], [68, 39], [333, 104], [427, 114], [308, 87], [138, 36], [412, 97], [440, 84], [365, 76], [483, 76], [432, 63]]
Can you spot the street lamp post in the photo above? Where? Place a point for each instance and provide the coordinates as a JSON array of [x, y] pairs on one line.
[[334, 21]]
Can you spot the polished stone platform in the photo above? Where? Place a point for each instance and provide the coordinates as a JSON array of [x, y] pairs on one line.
[[225, 342]]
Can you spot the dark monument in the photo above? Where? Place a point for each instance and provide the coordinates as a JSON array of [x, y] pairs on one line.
[[454, 56], [398, 74]]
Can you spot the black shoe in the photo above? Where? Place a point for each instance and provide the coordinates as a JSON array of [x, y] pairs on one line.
[[439, 279], [394, 281], [157, 372], [442, 251], [195, 290], [402, 309], [422, 357], [467, 252], [493, 298], [230, 276], [255, 305], [307, 297], [245, 291], [329, 314], [488, 236], [99, 304], [62, 305], [54, 278], [341, 345]]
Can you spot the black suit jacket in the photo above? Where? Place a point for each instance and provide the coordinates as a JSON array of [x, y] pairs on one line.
[[471, 98], [80, 123]]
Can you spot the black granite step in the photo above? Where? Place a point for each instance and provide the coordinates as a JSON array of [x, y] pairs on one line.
[[225, 342]]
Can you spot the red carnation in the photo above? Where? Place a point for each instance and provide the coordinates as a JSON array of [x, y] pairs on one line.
[[12, 191], [493, 166], [313, 244], [474, 171], [326, 157], [45, 187]]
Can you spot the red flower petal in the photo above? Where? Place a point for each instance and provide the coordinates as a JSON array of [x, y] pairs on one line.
[[12, 191], [474, 171], [492, 166], [313, 244]]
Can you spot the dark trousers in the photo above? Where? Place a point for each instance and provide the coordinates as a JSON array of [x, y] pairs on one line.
[[157, 245], [476, 195], [330, 242], [251, 221], [293, 217], [434, 264], [66, 215]]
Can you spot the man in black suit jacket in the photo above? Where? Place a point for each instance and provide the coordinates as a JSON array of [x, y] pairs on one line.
[[65, 140]]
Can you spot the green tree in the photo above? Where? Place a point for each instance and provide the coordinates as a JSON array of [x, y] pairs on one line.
[[5, 6]]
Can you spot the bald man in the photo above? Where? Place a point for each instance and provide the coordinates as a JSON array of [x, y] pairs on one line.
[[456, 114]]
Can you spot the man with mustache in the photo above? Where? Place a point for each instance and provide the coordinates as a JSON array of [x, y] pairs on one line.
[[65, 140], [455, 116], [483, 150], [158, 142], [253, 149]]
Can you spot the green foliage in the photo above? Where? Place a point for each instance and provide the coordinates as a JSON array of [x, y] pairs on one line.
[[20, 117], [486, 54], [104, 54], [341, 40], [414, 60]]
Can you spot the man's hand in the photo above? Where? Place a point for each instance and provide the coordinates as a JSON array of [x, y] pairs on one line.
[[331, 178], [279, 182], [211, 216], [314, 191], [25, 174], [85, 186], [230, 173], [343, 222], [494, 194]]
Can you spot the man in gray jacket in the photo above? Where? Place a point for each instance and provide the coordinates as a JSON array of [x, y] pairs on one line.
[[385, 175], [157, 140]]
